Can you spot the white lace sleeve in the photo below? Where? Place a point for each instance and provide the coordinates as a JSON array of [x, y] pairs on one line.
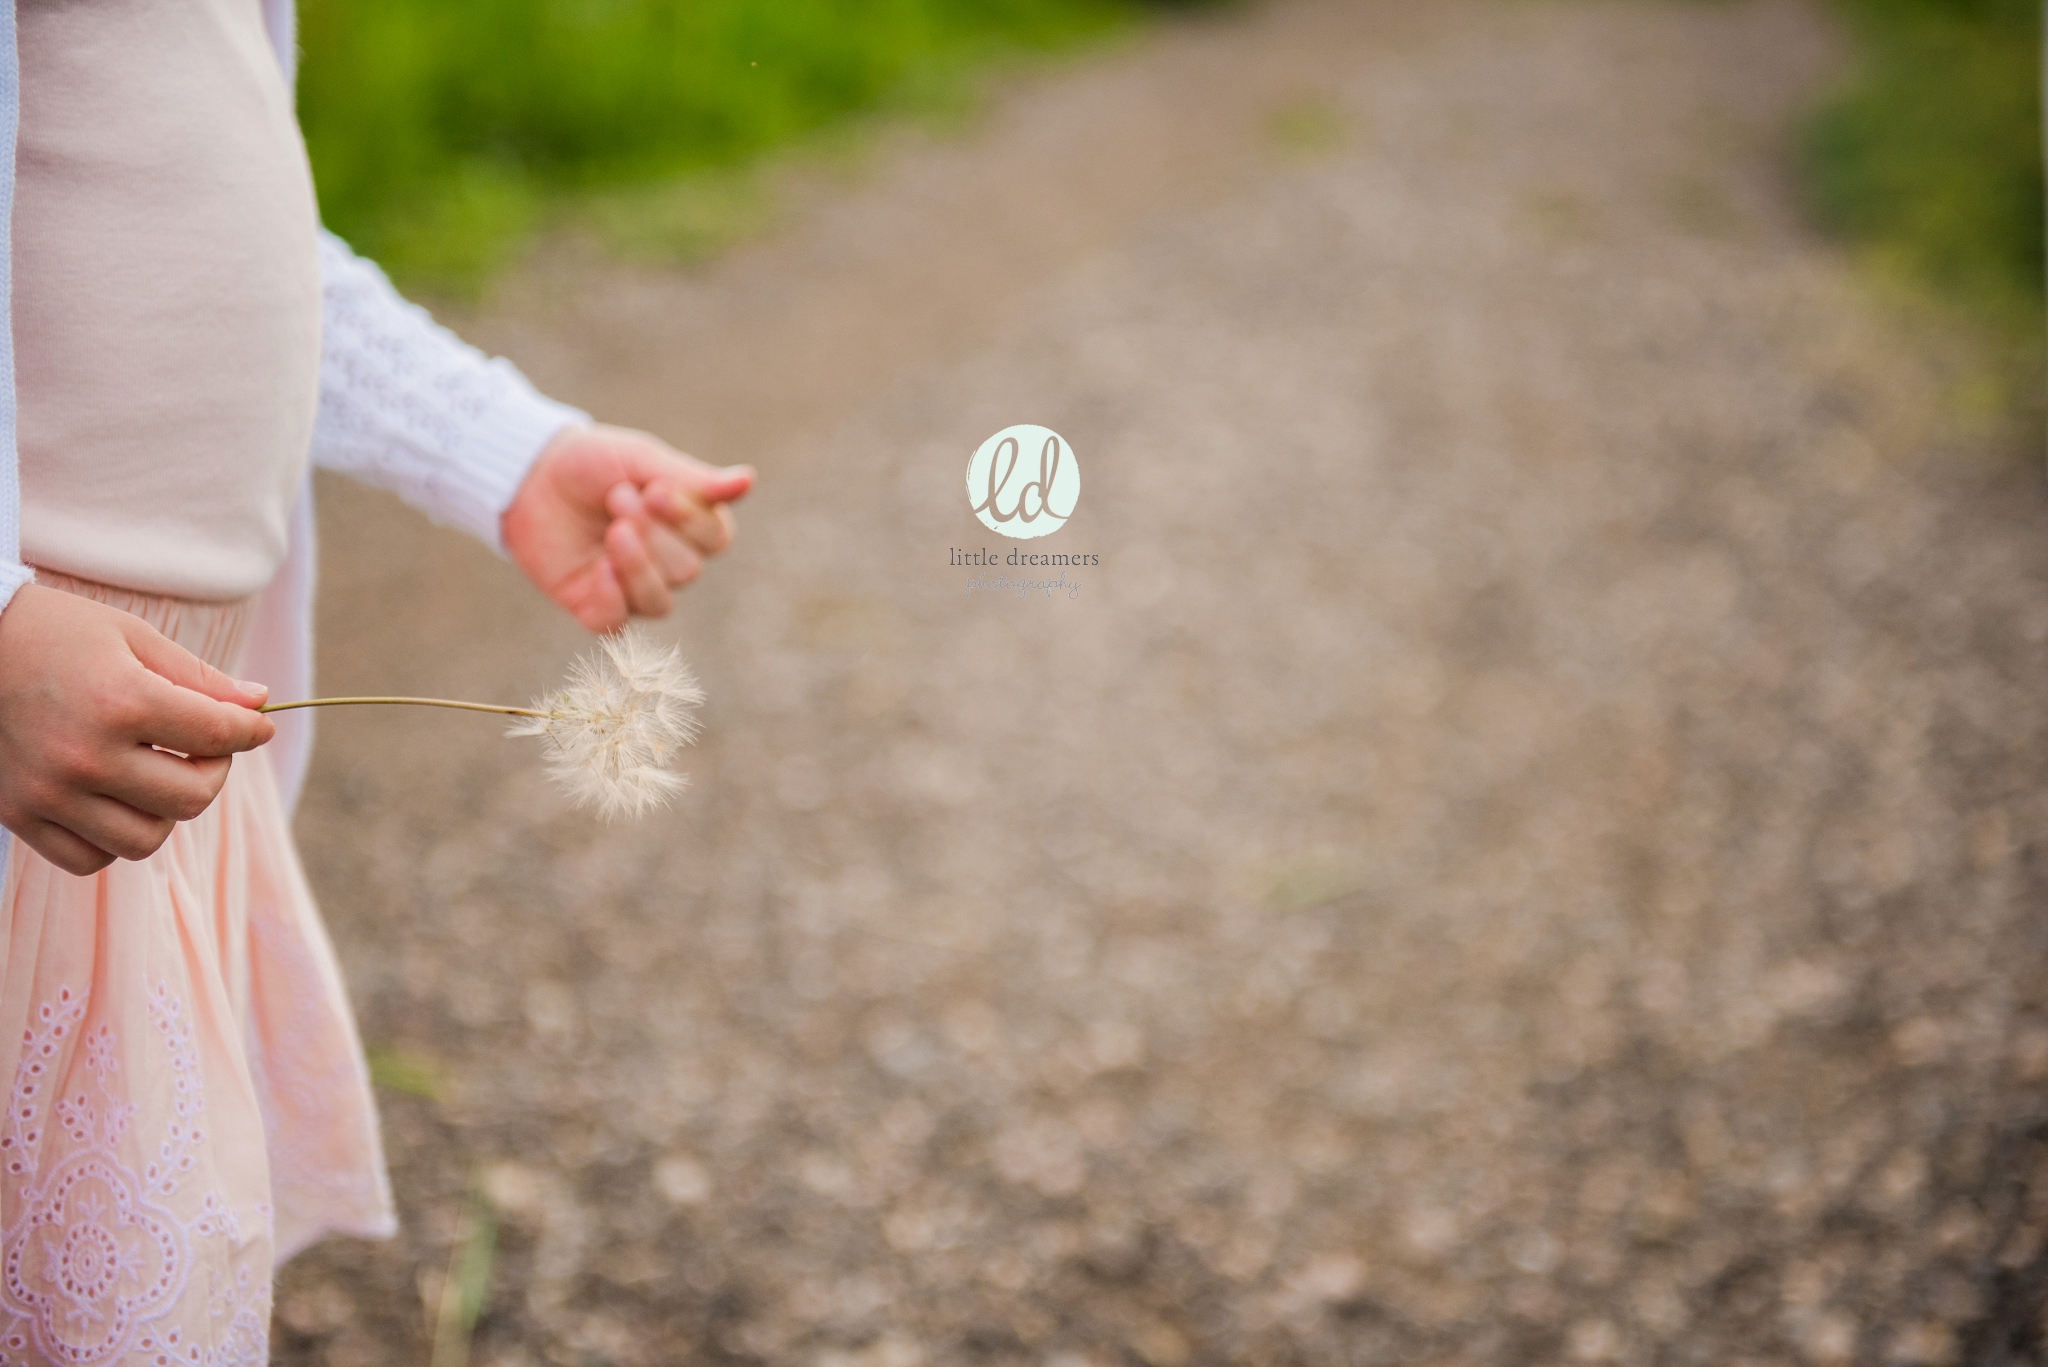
[[408, 406]]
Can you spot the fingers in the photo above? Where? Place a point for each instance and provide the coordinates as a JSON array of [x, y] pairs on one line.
[[649, 460], [712, 484], [646, 592], [157, 783], [115, 828], [179, 719], [594, 596], [166, 658], [185, 704], [678, 561], [75, 856], [707, 530], [707, 527], [128, 812], [632, 576]]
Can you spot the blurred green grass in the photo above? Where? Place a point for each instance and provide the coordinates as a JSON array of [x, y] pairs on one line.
[[443, 132], [1929, 157]]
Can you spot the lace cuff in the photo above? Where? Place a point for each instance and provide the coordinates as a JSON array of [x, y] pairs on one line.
[[12, 577]]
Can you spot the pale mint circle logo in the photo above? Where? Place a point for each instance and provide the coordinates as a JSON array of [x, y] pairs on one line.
[[1024, 481]]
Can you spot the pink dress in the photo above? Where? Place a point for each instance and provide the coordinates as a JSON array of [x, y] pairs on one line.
[[188, 1103]]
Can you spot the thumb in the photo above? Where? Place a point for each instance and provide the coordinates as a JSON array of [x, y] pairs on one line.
[[711, 484], [728, 484], [165, 658], [707, 484]]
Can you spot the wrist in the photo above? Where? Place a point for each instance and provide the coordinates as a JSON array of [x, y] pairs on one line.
[[496, 457], [516, 522]]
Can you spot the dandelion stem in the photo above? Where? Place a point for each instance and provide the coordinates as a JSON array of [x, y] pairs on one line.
[[405, 702]]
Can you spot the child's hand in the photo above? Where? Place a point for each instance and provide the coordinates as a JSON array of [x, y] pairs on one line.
[[85, 691], [609, 520]]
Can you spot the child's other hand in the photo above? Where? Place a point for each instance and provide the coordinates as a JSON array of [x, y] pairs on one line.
[[86, 691], [609, 520]]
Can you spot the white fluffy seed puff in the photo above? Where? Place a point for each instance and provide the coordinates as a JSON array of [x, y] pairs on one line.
[[612, 731]]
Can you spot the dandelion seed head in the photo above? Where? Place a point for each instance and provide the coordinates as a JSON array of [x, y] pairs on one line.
[[613, 730]]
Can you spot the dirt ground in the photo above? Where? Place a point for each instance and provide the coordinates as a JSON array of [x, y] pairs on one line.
[[1529, 847]]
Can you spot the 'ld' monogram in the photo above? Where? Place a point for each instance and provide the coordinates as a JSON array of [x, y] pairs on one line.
[[1009, 492], [999, 472]]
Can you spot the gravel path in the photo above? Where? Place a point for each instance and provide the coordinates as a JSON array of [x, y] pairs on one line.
[[1528, 848]]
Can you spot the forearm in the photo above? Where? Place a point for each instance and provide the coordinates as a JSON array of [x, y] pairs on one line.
[[408, 406]]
